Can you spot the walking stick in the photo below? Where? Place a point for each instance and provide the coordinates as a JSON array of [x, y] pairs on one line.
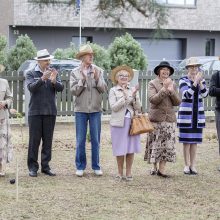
[[16, 179]]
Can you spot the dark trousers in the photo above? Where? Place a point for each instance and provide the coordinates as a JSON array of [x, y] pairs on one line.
[[41, 127], [217, 121]]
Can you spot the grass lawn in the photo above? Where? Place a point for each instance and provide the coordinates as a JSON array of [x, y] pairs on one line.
[[146, 197]]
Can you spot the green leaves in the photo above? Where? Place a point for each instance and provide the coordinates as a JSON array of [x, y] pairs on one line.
[[101, 56], [24, 49], [126, 50], [3, 44], [68, 53]]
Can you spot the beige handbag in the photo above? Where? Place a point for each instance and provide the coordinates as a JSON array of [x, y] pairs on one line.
[[140, 124]]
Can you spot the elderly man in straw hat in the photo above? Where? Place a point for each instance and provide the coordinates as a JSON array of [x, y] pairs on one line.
[[5, 131], [43, 84], [87, 85]]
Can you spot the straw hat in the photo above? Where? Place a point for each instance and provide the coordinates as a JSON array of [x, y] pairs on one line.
[[119, 68], [85, 49], [163, 64], [192, 61], [2, 68], [43, 55]]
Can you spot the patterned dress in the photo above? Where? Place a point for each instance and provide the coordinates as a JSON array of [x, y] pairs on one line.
[[6, 147], [160, 144], [5, 132]]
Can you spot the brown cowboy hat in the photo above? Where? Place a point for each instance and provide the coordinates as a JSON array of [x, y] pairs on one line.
[[119, 68], [85, 49], [163, 64]]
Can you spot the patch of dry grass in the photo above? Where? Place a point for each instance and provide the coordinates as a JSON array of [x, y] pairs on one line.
[[147, 197]]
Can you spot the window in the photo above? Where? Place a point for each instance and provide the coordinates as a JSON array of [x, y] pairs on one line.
[[210, 47], [184, 3], [84, 39]]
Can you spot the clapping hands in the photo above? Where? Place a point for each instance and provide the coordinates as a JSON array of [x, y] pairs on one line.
[[198, 77], [168, 84], [53, 76]]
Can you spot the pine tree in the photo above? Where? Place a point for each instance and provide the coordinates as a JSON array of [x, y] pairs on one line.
[[126, 50], [24, 49]]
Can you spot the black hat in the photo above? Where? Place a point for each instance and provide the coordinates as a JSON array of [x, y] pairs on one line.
[[163, 64]]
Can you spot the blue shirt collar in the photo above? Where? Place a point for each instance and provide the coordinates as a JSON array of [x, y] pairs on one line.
[[37, 68]]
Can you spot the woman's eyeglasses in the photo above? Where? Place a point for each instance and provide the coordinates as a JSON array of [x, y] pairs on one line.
[[123, 76]]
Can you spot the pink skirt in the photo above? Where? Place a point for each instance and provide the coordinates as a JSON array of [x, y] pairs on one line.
[[122, 142]]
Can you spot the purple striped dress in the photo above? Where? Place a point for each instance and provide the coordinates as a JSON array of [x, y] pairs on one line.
[[191, 117]]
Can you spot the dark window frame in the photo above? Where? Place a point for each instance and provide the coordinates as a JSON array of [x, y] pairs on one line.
[[210, 47]]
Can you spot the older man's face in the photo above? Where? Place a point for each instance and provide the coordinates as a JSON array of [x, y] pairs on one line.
[[87, 59], [44, 64]]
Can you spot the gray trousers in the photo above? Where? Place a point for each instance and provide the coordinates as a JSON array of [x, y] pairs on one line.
[[217, 120]]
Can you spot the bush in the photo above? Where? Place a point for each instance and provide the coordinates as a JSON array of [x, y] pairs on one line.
[[24, 49], [68, 53], [101, 56], [126, 50], [3, 54]]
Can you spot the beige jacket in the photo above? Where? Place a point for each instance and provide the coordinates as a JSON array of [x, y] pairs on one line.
[[119, 105], [87, 93], [162, 102], [5, 97]]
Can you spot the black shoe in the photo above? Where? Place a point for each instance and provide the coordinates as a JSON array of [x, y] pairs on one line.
[[219, 169], [48, 172], [162, 175], [192, 172], [33, 173]]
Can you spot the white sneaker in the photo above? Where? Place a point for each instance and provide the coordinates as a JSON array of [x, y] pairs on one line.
[[98, 172], [186, 170], [79, 172]]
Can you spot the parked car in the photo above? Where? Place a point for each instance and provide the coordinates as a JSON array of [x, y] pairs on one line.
[[59, 65], [209, 64]]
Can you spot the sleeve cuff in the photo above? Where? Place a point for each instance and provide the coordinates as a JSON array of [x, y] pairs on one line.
[[203, 90]]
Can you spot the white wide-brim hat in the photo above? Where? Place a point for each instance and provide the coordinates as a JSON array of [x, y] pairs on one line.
[[43, 55]]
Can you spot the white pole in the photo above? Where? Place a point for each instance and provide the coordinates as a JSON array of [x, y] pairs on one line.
[[80, 24], [16, 179]]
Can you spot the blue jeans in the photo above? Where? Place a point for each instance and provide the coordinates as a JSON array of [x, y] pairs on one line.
[[81, 130]]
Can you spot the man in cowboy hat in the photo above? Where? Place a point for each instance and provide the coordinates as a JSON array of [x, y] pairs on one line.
[[214, 91], [43, 83], [87, 85]]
